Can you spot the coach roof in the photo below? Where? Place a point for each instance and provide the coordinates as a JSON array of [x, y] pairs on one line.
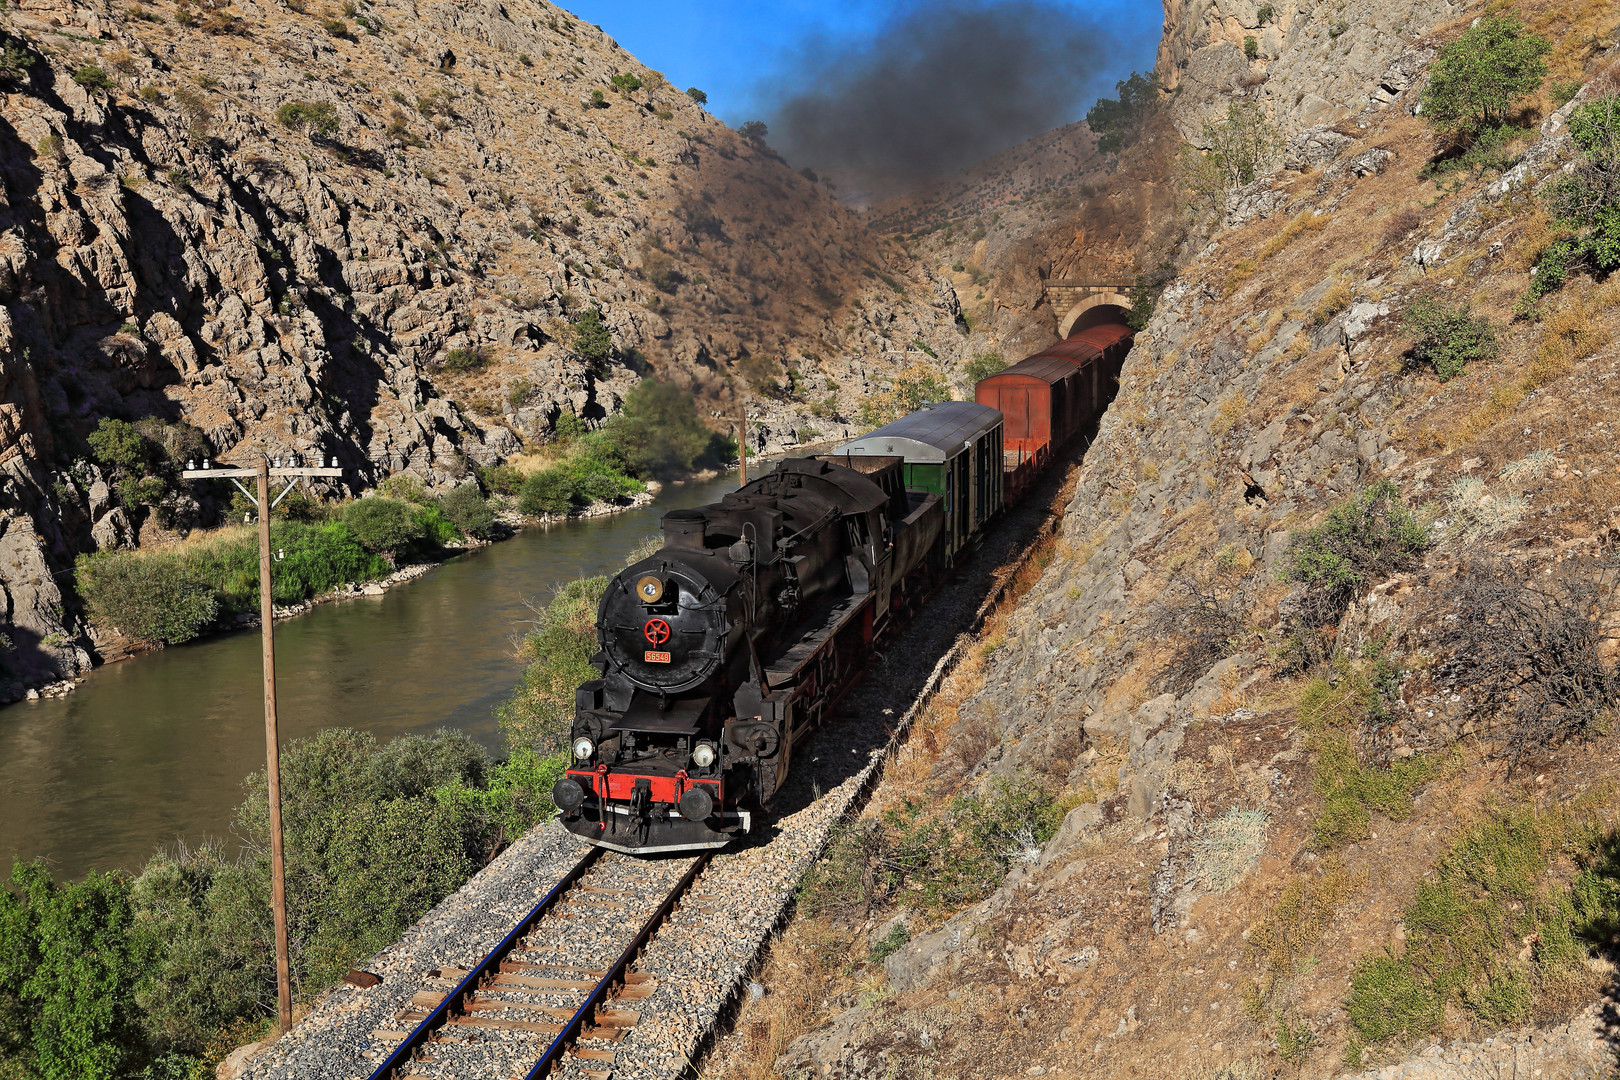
[[934, 433]]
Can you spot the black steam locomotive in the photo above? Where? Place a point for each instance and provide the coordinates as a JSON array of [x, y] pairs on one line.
[[728, 644]]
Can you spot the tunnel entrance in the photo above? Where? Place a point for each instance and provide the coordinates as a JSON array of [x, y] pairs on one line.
[[1095, 307], [1097, 316]]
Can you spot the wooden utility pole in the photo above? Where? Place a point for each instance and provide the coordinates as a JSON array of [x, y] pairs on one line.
[[272, 740], [272, 754], [742, 443]]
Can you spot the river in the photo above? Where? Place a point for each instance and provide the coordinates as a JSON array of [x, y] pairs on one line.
[[154, 750]]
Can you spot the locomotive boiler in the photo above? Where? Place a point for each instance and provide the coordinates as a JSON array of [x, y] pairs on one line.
[[723, 649]]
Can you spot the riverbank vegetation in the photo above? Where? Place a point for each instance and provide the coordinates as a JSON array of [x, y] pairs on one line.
[[657, 436], [169, 595], [160, 974]]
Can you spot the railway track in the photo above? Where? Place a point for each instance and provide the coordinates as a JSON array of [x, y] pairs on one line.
[[557, 993]]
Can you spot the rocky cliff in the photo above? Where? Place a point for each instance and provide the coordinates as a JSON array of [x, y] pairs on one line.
[[276, 223], [1264, 816]]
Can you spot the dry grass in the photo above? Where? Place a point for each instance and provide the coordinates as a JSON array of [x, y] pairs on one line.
[[1573, 332], [1300, 916], [1336, 299], [1305, 221]]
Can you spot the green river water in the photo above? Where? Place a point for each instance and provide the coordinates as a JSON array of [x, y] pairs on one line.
[[153, 750]]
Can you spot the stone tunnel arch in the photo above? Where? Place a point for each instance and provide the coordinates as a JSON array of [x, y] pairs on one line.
[[1099, 307]]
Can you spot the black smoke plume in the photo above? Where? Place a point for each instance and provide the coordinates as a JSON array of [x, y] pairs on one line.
[[939, 87]]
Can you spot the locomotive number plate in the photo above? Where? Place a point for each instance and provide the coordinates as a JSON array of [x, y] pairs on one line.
[[655, 657]]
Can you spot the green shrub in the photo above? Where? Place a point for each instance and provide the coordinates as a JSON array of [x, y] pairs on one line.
[[1478, 79], [49, 147], [316, 557], [1365, 539], [386, 526], [15, 60], [1263, 14], [548, 492], [626, 83], [982, 366], [1488, 935], [1251, 47], [500, 479], [598, 100], [1492, 147], [659, 433], [336, 28], [92, 77], [68, 968], [311, 117], [1586, 198], [465, 359], [151, 596], [1368, 537], [1449, 336], [116, 445], [353, 813], [590, 339], [556, 657], [1150, 285], [1118, 122], [466, 508], [1234, 149]]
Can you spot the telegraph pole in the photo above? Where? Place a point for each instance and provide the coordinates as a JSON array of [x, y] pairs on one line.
[[742, 442], [272, 742]]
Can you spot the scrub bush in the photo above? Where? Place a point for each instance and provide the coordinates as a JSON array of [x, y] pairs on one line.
[[982, 366], [1449, 336], [388, 526], [1489, 935], [151, 596], [556, 661], [466, 508], [69, 965]]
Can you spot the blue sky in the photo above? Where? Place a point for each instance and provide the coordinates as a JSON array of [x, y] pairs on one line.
[[742, 53]]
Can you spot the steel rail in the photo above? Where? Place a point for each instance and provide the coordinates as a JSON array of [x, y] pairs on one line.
[[596, 997], [454, 999]]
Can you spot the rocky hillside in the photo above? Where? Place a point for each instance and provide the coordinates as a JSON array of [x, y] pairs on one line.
[[365, 231], [1309, 823]]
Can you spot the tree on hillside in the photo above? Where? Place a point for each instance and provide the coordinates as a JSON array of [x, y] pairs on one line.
[[1477, 79], [1118, 122], [659, 431], [754, 131], [1237, 146], [697, 95], [592, 340]]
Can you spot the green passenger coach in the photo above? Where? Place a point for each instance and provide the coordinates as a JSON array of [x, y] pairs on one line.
[[953, 449]]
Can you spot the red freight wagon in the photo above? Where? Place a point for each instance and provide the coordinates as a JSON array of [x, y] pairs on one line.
[[1050, 397], [1043, 401]]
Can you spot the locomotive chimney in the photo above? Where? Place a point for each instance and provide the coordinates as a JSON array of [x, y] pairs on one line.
[[684, 529]]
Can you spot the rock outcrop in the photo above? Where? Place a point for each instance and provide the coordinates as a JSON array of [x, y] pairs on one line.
[[366, 235]]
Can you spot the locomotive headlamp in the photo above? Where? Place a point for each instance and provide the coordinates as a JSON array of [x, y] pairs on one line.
[[583, 748], [650, 589], [703, 755]]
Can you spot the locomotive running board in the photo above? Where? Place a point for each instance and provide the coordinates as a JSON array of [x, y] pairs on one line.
[[782, 671]]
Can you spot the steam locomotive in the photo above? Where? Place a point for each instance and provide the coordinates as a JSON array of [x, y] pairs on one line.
[[723, 649]]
